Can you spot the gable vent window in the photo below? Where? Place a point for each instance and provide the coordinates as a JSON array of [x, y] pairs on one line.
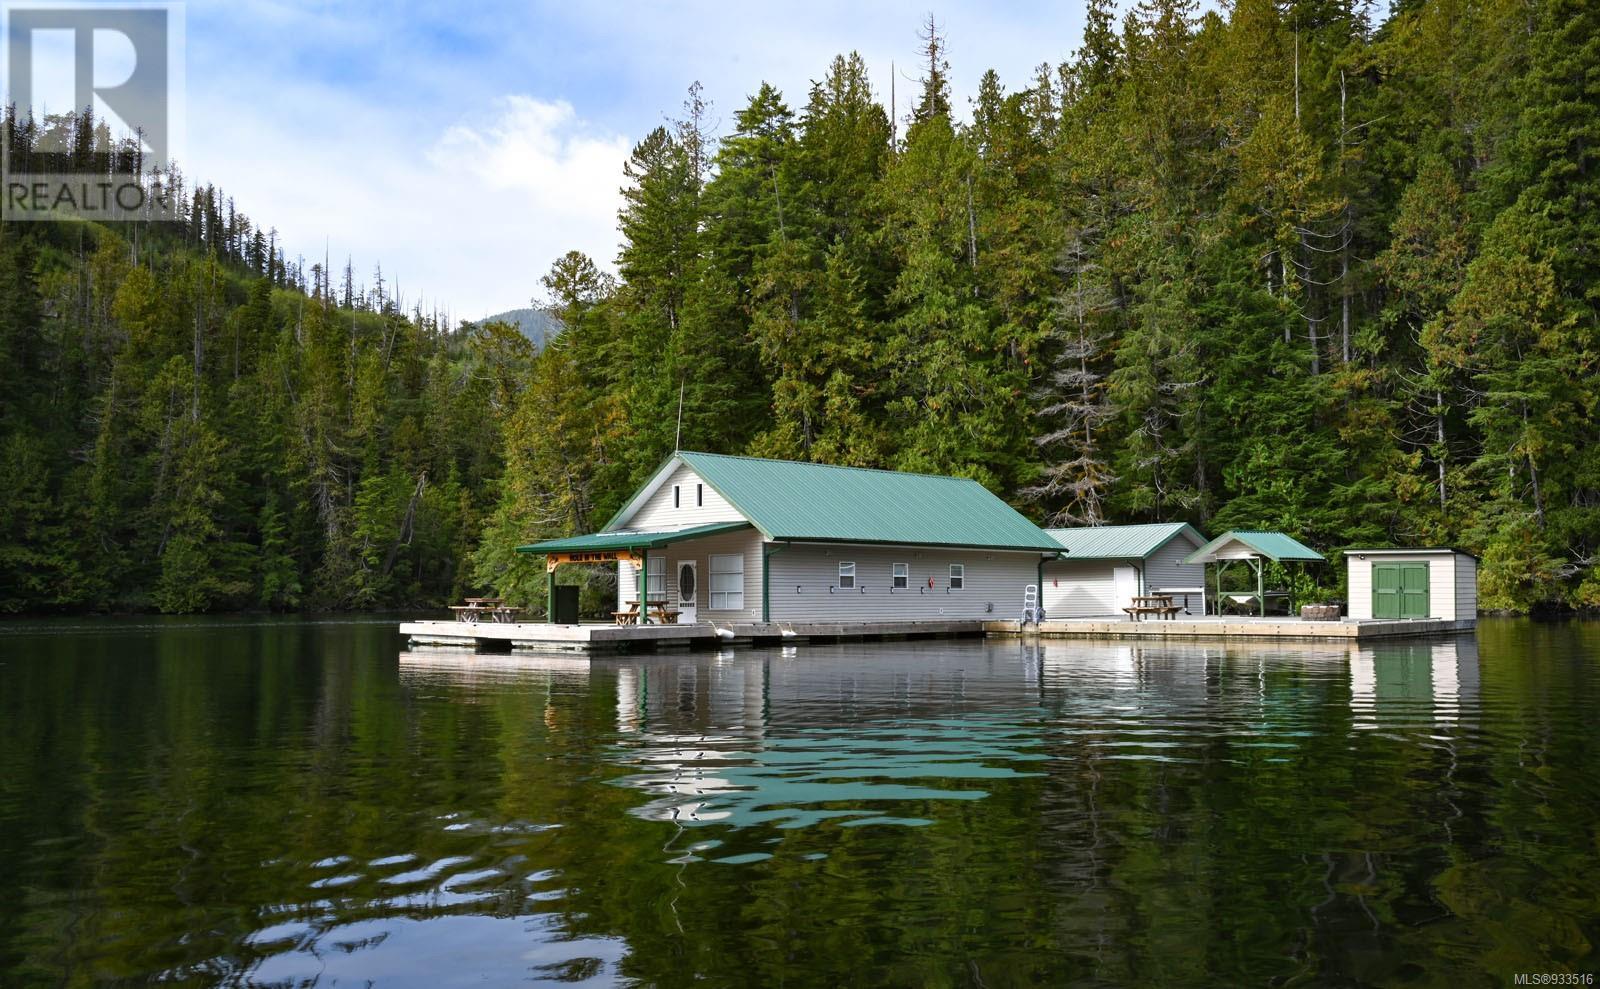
[[699, 495], [677, 496]]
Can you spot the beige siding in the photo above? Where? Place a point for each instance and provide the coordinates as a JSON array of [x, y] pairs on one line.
[[805, 578], [1466, 587], [1084, 589], [657, 511], [1441, 581], [1165, 567], [746, 543]]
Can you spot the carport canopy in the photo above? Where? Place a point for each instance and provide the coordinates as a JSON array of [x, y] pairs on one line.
[[1253, 546]]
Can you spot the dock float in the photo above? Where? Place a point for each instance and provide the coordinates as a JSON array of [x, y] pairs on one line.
[[1344, 629], [603, 639]]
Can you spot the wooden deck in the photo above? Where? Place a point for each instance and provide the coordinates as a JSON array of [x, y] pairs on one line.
[[1233, 628]]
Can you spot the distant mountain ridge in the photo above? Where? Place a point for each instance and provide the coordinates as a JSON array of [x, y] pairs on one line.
[[538, 325]]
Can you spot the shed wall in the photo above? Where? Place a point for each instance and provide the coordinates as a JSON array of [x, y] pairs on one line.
[[1442, 579], [1165, 567], [1080, 589]]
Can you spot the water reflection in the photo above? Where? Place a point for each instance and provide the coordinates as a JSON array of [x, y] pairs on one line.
[[289, 804], [1400, 681]]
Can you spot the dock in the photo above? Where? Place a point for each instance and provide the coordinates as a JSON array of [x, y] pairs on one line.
[[592, 639], [608, 638], [1341, 630]]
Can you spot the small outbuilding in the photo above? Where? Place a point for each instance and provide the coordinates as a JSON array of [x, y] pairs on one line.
[[1254, 548], [1412, 583], [1107, 566]]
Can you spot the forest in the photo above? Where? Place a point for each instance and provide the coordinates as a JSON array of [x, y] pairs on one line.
[[1286, 265]]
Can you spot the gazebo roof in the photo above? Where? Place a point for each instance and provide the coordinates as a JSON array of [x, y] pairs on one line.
[[1238, 543]]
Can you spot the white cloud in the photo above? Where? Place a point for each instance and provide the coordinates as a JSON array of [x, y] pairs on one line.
[[472, 218], [538, 156]]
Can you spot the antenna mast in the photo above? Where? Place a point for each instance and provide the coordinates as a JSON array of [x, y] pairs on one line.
[[677, 438]]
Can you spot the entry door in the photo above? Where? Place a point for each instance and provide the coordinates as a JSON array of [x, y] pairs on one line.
[[1125, 580], [688, 591], [1400, 590]]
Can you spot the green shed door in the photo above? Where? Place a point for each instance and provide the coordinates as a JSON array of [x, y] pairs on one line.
[[1400, 590]]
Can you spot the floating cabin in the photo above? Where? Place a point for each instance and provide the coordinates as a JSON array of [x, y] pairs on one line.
[[1412, 583], [1107, 566], [722, 549], [732, 540]]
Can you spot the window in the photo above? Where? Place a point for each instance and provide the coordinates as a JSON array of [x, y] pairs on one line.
[[958, 576], [847, 575], [699, 495], [727, 583], [902, 574], [656, 584], [677, 500]]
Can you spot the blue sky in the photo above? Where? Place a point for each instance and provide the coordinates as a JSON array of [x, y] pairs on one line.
[[465, 146]]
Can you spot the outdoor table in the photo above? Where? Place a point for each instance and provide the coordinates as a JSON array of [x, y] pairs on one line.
[[1152, 604], [1184, 592], [657, 609], [475, 608]]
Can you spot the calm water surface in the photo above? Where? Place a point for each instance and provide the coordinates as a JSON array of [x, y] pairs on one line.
[[267, 803]]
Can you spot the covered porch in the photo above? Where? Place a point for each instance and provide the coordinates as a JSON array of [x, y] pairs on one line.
[[646, 606]]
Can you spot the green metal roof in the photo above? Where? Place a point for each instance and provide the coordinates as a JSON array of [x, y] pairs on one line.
[[788, 500], [1121, 542], [600, 541], [1272, 545]]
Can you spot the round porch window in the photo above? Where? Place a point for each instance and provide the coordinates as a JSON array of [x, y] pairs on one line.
[[686, 583]]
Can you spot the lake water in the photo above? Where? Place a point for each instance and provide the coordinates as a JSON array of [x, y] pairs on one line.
[[253, 802]]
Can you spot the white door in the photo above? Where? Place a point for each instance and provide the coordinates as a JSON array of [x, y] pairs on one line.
[[688, 591], [1126, 582]]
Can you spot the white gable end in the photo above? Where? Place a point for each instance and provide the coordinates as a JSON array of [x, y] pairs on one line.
[[680, 499]]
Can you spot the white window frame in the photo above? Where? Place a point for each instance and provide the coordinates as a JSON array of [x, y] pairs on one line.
[[726, 599], [900, 576], [655, 582], [847, 576], [958, 576], [699, 496], [677, 496]]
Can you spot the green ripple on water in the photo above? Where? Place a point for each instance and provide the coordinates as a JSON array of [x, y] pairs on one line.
[[801, 780]]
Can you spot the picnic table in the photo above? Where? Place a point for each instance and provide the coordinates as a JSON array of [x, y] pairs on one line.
[[657, 609], [495, 608], [1152, 604]]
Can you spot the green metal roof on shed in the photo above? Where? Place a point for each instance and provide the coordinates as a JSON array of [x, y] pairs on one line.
[[1272, 545], [788, 500], [632, 539], [1121, 542]]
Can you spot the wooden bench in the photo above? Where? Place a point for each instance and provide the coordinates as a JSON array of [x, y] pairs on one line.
[[1166, 611]]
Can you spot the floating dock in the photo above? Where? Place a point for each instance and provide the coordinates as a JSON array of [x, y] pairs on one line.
[[601, 639], [1342, 630]]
